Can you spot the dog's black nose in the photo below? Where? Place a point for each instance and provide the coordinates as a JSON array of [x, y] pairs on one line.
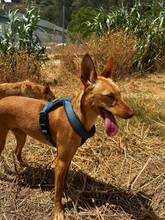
[[129, 114]]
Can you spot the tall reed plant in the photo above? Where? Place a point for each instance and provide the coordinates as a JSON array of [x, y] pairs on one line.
[[19, 45], [146, 22], [20, 34]]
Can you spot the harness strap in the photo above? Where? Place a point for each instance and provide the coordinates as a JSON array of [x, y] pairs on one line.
[[76, 123], [73, 119]]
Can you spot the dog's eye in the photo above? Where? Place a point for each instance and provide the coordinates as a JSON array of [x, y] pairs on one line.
[[111, 98]]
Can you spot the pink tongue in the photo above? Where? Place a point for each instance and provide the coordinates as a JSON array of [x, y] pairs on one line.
[[109, 124]]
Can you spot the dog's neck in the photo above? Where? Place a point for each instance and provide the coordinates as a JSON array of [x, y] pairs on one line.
[[83, 110]]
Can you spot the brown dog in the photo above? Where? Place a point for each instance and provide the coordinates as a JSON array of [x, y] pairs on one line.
[[100, 96], [26, 88]]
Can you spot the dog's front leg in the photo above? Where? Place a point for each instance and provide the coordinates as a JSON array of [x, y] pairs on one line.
[[63, 161], [60, 172]]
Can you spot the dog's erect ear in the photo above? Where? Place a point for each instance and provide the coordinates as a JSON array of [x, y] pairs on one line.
[[107, 72], [88, 71], [47, 88]]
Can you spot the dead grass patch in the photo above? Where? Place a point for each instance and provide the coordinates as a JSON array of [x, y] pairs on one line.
[[119, 45], [19, 67]]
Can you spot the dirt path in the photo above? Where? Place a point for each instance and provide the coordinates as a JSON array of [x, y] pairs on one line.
[[152, 83]]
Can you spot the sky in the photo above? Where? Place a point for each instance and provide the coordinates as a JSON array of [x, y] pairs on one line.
[[8, 1]]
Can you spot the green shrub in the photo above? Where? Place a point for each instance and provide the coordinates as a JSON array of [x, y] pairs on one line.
[[78, 24], [20, 34], [20, 49], [145, 21]]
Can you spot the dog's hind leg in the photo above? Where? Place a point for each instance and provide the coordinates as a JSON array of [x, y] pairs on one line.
[[3, 134], [21, 139]]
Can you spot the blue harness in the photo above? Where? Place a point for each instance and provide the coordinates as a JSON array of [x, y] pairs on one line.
[[73, 119]]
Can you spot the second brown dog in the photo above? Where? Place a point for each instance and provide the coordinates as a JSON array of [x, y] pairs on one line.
[[26, 88]]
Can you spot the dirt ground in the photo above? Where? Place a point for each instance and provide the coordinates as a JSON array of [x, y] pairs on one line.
[[121, 178]]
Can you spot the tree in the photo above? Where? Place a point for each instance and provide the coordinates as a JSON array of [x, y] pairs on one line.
[[78, 23]]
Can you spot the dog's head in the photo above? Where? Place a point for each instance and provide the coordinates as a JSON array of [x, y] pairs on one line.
[[47, 93], [103, 95]]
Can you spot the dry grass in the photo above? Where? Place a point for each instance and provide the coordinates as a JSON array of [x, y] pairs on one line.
[[19, 67], [118, 45], [119, 179]]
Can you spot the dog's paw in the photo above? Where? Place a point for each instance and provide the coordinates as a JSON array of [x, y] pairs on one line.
[[59, 215]]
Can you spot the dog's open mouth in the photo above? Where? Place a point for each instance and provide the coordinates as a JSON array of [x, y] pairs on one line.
[[110, 123]]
